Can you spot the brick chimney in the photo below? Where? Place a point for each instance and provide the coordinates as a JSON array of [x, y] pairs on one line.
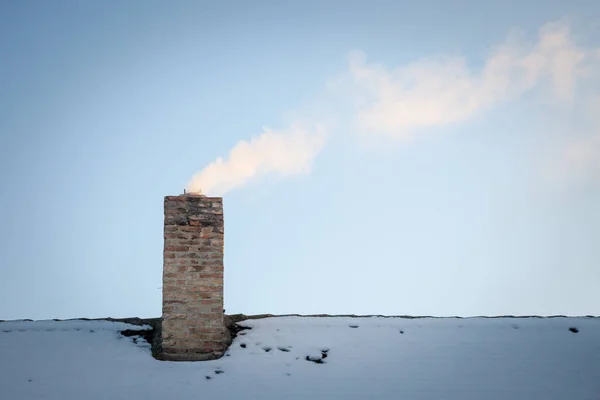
[[193, 327]]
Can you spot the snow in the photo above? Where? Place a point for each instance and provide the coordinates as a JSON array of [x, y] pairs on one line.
[[445, 358]]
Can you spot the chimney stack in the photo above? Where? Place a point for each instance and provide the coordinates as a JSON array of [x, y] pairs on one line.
[[193, 327]]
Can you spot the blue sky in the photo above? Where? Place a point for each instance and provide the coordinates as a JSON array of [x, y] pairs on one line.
[[427, 157]]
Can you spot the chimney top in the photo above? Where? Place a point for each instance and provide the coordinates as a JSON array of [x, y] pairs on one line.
[[197, 194]]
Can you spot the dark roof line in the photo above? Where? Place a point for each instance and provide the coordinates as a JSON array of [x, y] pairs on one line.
[[241, 317]]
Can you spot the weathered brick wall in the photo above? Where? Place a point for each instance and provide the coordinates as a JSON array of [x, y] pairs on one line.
[[193, 326]]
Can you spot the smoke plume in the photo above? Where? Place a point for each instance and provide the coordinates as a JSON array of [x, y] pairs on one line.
[[285, 152], [437, 91], [444, 90]]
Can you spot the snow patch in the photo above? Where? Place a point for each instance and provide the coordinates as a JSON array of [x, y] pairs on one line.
[[312, 357]]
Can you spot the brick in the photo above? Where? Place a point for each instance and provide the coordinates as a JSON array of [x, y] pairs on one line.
[[188, 228], [177, 248], [213, 275], [173, 302], [197, 268], [174, 198], [178, 350], [175, 316], [171, 211]]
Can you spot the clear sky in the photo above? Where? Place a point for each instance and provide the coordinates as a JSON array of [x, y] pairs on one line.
[[392, 157]]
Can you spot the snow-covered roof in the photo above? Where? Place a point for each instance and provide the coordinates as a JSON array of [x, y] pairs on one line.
[[313, 358]]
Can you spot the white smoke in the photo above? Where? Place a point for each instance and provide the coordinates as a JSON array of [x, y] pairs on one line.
[[444, 90], [398, 103], [439, 91], [284, 152]]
